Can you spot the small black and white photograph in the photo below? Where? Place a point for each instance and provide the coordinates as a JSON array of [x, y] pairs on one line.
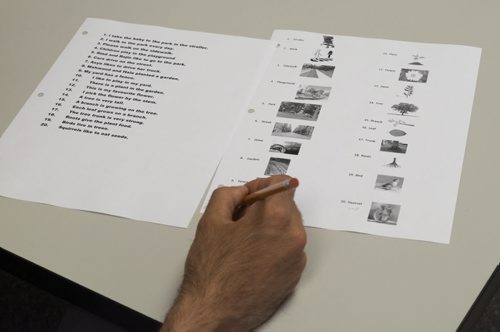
[[287, 130], [316, 71], [313, 92], [404, 109], [285, 147], [389, 183], [393, 164], [416, 60], [408, 91], [393, 146], [277, 166], [324, 52], [299, 111], [384, 213], [413, 75], [399, 122], [328, 41], [397, 132]]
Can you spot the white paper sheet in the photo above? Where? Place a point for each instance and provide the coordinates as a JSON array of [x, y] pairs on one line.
[[374, 129], [131, 120]]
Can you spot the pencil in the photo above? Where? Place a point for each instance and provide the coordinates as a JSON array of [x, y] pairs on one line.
[[270, 190], [263, 194]]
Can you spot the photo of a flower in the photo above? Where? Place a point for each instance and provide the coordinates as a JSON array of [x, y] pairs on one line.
[[413, 75]]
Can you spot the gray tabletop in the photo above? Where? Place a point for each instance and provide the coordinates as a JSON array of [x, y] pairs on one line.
[[353, 282]]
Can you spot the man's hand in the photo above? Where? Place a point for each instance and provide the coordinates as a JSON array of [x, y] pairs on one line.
[[238, 273]]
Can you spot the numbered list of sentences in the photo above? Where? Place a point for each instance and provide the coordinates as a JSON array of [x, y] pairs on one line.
[[115, 88]]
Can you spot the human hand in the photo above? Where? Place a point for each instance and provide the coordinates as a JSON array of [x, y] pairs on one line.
[[238, 273]]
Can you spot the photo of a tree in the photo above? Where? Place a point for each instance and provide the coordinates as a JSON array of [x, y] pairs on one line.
[[299, 111], [393, 146], [286, 130], [405, 108]]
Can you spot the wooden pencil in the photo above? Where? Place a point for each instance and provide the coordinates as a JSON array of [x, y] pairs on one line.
[[263, 194], [270, 190]]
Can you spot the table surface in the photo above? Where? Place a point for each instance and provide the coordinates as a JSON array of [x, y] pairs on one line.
[[353, 282]]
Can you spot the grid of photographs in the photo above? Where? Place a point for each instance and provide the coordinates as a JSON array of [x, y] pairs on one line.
[[402, 112], [297, 118], [314, 89]]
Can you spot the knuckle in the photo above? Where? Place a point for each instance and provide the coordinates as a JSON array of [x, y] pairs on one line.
[[219, 192], [218, 195]]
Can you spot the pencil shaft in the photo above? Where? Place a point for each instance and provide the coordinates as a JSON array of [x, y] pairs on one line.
[[266, 192], [262, 194]]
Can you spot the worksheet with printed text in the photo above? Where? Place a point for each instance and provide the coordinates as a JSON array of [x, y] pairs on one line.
[[375, 130], [131, 120]]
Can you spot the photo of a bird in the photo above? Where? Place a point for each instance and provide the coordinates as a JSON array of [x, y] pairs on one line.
[[390, 185]]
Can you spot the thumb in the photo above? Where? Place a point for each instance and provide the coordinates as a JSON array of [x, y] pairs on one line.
[[224, 201]]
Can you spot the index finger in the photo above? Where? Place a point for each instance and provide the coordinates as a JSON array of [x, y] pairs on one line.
[[282, 199], [279, 208], [261, 183]]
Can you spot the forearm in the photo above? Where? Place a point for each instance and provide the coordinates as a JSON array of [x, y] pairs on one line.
[[238, 273]]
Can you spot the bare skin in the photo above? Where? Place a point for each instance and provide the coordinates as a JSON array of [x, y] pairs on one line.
[[238, 273]]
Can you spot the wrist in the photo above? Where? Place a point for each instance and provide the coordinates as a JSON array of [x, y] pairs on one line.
[[192, 313]]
